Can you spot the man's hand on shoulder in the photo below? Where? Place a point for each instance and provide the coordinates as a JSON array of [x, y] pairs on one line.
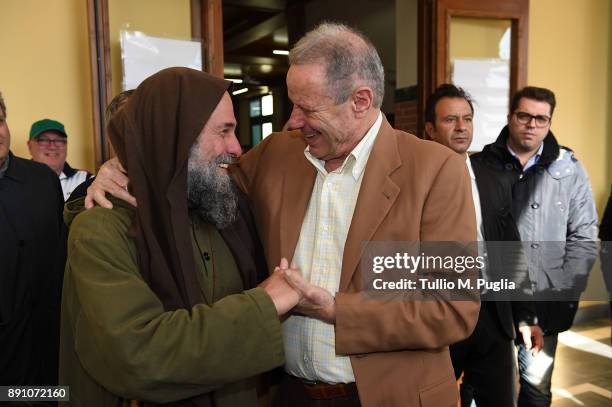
[[111, 178]]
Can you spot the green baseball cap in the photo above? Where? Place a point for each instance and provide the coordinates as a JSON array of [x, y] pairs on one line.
[[47, 125]]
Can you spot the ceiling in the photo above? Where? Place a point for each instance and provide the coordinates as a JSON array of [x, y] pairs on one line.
[[252, 30]]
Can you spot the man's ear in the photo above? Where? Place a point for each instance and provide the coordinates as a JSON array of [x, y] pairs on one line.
[[30, 145], [362, 99], [428, 130]]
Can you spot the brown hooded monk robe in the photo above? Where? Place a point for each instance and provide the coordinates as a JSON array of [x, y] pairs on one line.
[[158, 301]]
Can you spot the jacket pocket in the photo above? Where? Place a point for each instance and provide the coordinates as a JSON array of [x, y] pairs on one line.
[[444, 394]]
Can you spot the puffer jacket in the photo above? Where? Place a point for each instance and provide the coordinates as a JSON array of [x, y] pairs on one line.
[[553, 206]]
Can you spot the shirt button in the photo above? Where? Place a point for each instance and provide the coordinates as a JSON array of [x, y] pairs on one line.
[[535, 205]]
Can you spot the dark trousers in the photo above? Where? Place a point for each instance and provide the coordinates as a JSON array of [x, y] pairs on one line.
[[291, 393], [487, 362]]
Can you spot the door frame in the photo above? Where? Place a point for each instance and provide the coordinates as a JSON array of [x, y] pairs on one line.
[[434, 17]]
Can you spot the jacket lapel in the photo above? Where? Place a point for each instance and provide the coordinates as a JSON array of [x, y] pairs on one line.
[[297, 189], [377, 195]]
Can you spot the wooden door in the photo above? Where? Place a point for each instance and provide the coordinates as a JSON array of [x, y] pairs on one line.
[[435, 18]]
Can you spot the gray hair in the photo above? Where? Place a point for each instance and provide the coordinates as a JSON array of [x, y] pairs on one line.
[[209, 192], [2, 105], [349, 57]]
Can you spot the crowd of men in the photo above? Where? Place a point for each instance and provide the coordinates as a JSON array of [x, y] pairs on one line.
[[528, 188], [208, 268]]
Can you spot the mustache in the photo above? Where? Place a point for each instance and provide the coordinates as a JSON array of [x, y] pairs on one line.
[[225, 160]]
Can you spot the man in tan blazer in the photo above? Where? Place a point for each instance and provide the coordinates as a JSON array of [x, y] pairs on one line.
[[317, 194], [402, 188]]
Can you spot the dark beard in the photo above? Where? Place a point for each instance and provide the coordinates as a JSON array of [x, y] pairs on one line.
[[210, 193]]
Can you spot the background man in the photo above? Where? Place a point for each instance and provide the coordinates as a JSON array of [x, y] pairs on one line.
[[48, 144], [32, 255], [160, 302], [554, 209], [486, 358], [317, 195], [113, 107]]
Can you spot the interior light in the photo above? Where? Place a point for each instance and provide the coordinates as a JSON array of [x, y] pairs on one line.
[[239, 91]]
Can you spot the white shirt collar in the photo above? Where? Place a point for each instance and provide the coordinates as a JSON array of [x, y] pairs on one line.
[[357, 159]]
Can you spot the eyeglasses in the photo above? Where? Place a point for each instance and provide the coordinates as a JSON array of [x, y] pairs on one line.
[[46, 142], [525, 118]]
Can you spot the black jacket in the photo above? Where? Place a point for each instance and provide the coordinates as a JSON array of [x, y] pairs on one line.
[[505, 260], [32, 258]]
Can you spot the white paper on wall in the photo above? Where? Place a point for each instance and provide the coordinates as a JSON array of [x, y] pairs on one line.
[[488, 82], [143, 55]]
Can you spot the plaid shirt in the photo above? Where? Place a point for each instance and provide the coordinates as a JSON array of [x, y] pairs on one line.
[[309, 343]]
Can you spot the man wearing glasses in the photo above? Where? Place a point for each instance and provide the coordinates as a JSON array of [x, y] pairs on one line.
[[553, 206], [48, 145]]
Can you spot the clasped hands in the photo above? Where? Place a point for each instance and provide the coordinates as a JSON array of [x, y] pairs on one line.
[[286, 286], [291, 293]]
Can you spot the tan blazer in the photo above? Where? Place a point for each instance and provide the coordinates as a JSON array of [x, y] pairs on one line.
[[411, 190]]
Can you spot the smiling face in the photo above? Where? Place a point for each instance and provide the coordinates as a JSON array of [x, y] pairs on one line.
[[52, 153], [330, 130], [218, 137], [453, 125], [527, 138], [209, 187]]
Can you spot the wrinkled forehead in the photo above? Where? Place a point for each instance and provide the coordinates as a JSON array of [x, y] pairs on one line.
[[452, 106], [307, 84]]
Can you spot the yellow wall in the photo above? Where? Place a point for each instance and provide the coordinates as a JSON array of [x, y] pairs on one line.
[[163, 18], [44, 72], [570, 52], [476, 37]]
